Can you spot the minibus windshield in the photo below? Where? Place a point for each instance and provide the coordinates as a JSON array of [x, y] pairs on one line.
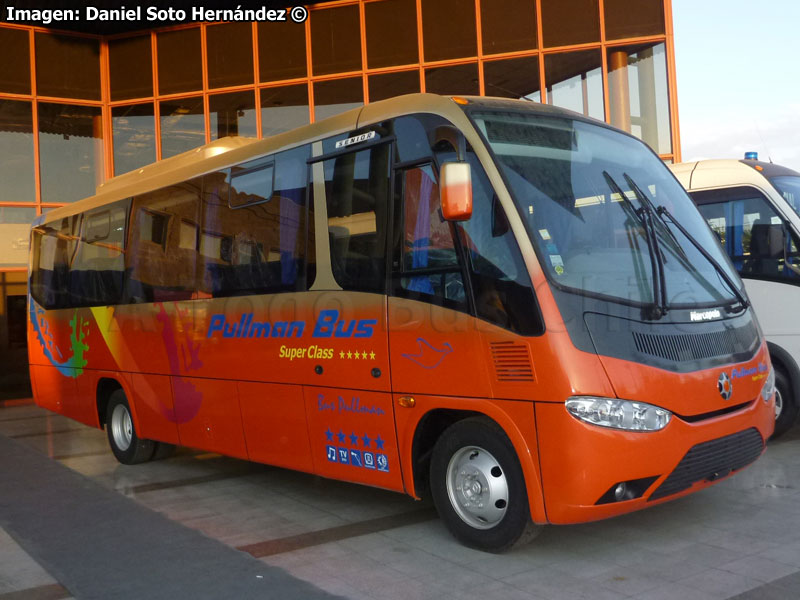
[[590, 198], [789, 188]]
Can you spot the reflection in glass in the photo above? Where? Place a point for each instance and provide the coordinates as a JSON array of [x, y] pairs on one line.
[[15, 226], [461, 79], [230, 54], [130, 68], [623, 22], [389, 85], [575, 81], [448, 29], [337, 96], [638, 97], [566, 22], [335, 40], [513, 78], [281, 50], [134, 131], [70, 151], [391, 33], [283, 108], [179, 65], [68, 67], [182, 126], [233, 114], [508, 25], [17, 179], [15, 76]]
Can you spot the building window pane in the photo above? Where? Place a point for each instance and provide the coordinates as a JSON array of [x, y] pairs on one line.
[[566, 22], [337, 96], [461, 79], [15, 76], [335, 40], [448, 29], [15, 227], [625, 19], [283, 108], [281, 50], [134, 131], [513, 78], [182, 126], [70, 151], [233, 114], [230, 54], [68, 67], [638, 96], [393, 84], [131, 68], [508, 25], [575, 81], [179, 65], [391, 33], [17, 179]]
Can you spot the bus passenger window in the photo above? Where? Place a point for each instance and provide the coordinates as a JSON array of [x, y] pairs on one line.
[[357, 197], [163, 244], [97, 273], [54, 246], [429, 262], [751, 232], [254, 221]]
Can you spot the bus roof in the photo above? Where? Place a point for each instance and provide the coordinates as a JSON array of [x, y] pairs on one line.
[[229, 151]]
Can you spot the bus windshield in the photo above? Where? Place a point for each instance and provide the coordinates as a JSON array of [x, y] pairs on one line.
[[585, 193], [789, 188]]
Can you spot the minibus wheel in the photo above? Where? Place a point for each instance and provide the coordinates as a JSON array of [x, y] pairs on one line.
[[785, 403], [478, 487], [128, 448]]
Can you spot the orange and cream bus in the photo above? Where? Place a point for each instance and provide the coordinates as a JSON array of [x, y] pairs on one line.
[[506, 305]]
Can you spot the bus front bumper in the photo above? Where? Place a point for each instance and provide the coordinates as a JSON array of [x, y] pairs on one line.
[[591, 472]]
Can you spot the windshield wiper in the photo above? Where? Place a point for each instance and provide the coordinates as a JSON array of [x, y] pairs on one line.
[[645, 217], [662, 211]]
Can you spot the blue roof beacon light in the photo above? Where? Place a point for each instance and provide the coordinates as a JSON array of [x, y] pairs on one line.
[[751, 155]]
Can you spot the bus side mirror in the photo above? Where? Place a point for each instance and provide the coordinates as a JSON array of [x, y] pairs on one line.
[[456, 191]]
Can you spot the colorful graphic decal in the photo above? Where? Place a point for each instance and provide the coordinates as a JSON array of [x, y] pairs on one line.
[[428, 356], [183, 356], [757, 373], [73, 365], [366, 456], [347, 406]]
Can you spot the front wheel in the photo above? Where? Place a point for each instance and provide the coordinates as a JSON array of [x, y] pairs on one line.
[[478, 487], [786, 407], [128, 448]]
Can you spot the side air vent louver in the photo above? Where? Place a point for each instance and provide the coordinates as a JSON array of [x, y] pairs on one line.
[[512, 362], [683, 347]]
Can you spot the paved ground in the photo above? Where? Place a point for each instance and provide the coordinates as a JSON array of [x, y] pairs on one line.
[[316, 538]]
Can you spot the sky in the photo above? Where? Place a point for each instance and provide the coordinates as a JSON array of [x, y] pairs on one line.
[[738, 67]]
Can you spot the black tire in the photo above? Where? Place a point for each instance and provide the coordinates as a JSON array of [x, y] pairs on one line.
[[127, 446], [163, 450], [492, 514], [786, 400]]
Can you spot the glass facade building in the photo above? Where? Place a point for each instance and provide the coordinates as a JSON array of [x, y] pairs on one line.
[[78, 109]]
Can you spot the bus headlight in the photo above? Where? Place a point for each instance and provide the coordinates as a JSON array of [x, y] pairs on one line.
[[769, 386], [618, 414]]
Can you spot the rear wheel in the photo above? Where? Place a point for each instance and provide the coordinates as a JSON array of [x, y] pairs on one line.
[[786, 407], [127, 446], [478, 487]]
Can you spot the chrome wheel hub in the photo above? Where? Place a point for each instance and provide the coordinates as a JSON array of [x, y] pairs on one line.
[[477, 487], [121, 427], [778, 403]]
